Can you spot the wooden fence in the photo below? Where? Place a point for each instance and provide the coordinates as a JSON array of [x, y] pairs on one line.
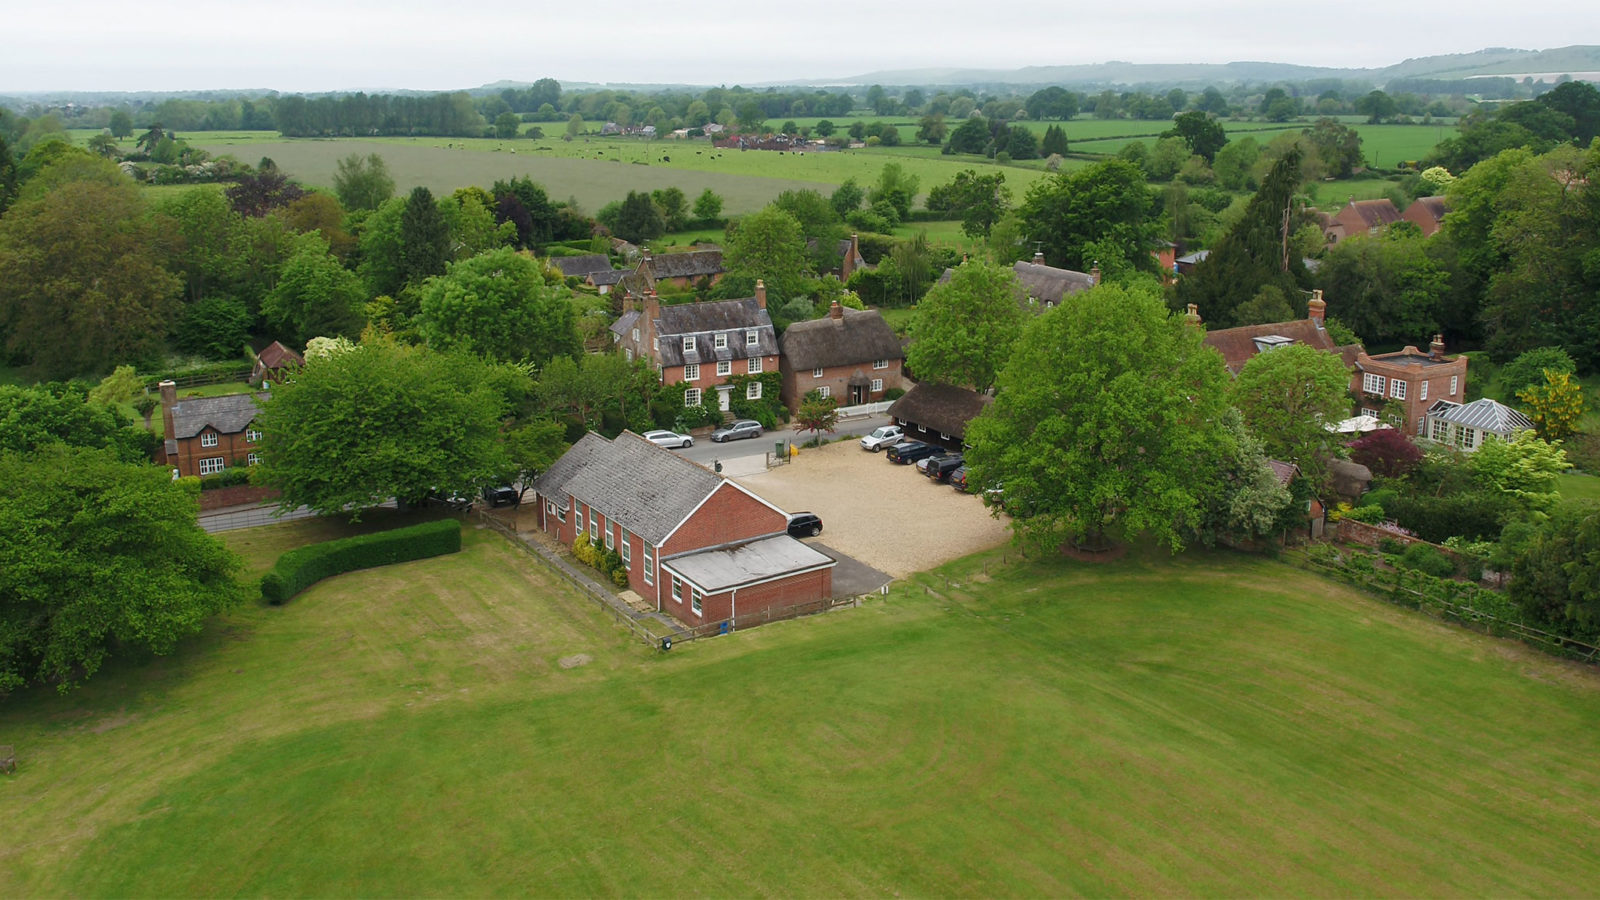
[[1451, 604], [750, 620]]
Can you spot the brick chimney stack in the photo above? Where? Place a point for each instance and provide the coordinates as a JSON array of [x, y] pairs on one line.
[[1436, 349], [761, 293], [1038, 257], [1316, 309], [835, 311], [1094, 273], [1192, 316], [169, 398], [648, 313]]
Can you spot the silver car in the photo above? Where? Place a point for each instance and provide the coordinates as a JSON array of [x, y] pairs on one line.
[[744, 428], [669, 439], [883, 438]]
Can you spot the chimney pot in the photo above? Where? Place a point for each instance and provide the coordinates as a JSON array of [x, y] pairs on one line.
[[1192, 316], [1094, 272], [1316, 308], [1436, 349], [1038, 257], [835, 311], [761, 293]]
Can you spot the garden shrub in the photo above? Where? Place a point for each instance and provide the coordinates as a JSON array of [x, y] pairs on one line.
[[302, 567], [1390, 545], [1381, 497], [1370, 515], [1474, 515], [1427, 559]]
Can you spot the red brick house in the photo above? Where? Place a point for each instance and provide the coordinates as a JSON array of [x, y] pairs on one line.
[[701, 345], [687, 270], [1361, 217], [1239, 345], [1427, 213], [273, 362], [1413, 380], [208, 434], [697, 546], [851, 355]]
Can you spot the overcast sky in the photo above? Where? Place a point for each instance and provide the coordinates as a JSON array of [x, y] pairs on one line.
[[300, 45]]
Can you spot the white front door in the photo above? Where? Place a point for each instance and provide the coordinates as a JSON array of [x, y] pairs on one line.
[[722, 397]]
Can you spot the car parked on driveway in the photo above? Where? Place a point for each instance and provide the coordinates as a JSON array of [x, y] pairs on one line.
[[908, 452], [883, 438], [744, 428], [669, 439], [804, 524], [940, 467], [958, 478], [501, 495]]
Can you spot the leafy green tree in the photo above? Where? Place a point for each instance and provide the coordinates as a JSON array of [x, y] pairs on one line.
[[1338, 146], [1107, 416], [424, 238], [1251, 254], [1389, 287], [321, 212], [315, 295], [1055, 141], [1288, 397], [103, 144], [1556, 579], [1052, 103], [1211, 101], [379, 241], [469, 215], [708, 206], [532, 447], [816, 414], [1527, 370], [770, 246], [639, 220], [964, 329], [10, 181], [1278, 106], [1235, 162], [32, 418], [1527, 468], [574, 127], [825, 128], [847, 197], [895, 187], [1022, 143], [497, 305], [363, 182], [506, 126], [674, 207], [1556, 407], [752, 118], [971, 136], [215, 326], [1107, 201], [82, 280], [99, 554], [1377, 107], [932, 130], [121, 125], [1202, 134], [978, 200], [382, 420]]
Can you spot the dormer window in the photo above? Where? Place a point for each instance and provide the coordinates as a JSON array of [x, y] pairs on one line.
[[688, 344], [1271, 342], [752, 338], [721, 341]]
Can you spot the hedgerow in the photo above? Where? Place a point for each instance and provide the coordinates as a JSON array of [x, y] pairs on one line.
[[302, 567]]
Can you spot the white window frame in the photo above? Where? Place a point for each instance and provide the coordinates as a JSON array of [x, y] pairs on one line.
[[577, 517], [561, 512], [655, 343], [611, 536], [877, 386], [627, 353], [817, 372], [696, 601], [252, 434], [677, 590], [724, 367], [208, 439], [1397, 388], [1469, 438], [212, 465], [752, 390], [636, 334], [594, 526], [720, 340], [1372, 383], [1453, 380], [880, 364], [649, 564], [1422, 392], [688, 344], [754, 365], [1440, 431], [252, 459], [824, 392], [691, 397], [691, 371], [752, 338], [627, 547]]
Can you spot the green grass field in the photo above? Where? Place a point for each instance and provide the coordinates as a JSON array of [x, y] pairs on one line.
[[1214, 724], [1576, 486]]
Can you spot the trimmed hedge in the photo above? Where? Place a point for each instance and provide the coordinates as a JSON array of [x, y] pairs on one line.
[[302, 567]]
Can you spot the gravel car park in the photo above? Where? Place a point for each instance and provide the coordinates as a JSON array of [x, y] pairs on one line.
[[880, 514]]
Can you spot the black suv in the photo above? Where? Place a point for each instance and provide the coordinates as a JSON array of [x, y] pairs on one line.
[[501, 495], [911, 451], [939, 468]]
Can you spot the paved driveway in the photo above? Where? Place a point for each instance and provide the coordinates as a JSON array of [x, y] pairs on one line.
[[887, 516]]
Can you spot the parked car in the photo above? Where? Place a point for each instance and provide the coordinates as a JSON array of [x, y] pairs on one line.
[[958, 478], [448, 500], [883, 438], [501, 495], [941, 467], [804, 524], [907, 452], [923, 463], [669, 439], [744, 428]]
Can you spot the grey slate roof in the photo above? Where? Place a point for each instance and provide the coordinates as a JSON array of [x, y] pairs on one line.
[[579, 266], [861, 336], [648, 489], [724, 568], [940, 407], [1485, 414], [624, 323], [606, 277], [227, 414], [704, 321], [693, 264]]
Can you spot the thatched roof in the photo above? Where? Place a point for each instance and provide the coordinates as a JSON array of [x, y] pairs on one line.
[[940, 407], [859, 336], [693, 264]]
